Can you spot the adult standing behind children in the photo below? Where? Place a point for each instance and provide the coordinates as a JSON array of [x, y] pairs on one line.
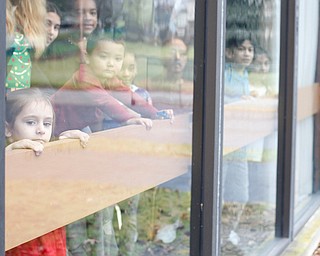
[[175, 58]]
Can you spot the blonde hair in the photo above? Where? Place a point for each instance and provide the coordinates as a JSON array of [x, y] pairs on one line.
[[10, 20], [30, 17]]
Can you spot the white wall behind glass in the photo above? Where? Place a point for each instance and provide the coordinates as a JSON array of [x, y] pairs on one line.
[[307, 57]]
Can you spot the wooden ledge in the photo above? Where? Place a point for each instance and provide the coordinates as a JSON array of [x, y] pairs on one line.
[[67, 182]]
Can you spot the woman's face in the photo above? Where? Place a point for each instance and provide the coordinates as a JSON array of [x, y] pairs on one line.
[[87, 15], [53, 23]]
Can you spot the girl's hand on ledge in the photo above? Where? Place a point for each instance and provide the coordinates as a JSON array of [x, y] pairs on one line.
[[35, 145], [75, 134], [146, 122]]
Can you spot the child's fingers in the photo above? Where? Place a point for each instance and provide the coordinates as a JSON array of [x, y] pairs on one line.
[[36, 146], [76, 134], [84, 138], [148, 124], [171, 116]]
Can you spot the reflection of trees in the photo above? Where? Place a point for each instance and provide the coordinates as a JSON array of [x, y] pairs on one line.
[[257, 16], [141, 20]]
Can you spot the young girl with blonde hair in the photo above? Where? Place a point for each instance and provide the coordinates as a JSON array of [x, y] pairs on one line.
[[30, 19], [28, 41], [10, 20]]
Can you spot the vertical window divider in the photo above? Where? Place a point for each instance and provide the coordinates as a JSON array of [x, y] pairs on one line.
[[2, 127], [207, 128], [287, 118]]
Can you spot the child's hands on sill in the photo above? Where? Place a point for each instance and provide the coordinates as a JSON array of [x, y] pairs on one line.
[[35, 145], [248, 97], [146, 122], [75, 134]]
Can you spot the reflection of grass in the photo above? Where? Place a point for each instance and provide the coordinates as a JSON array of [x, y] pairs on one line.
[[149, 62], [255, 228], [159, 207]]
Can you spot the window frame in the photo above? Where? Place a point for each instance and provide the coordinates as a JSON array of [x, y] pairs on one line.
[[2, 125], [287, 110], [208, 127]]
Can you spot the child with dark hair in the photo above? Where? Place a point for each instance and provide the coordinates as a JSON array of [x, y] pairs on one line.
[[261, 79], [92, 98], [128, 73], [53, 22], [95, 94], [239, 56], [69, 50], [44, 72]]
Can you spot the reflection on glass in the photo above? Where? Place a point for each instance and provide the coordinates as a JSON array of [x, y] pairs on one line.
[[250, 97], [120, 72], [307, 171]]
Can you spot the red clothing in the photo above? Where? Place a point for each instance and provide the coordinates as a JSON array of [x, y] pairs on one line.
[[50, 244], [84, 101]]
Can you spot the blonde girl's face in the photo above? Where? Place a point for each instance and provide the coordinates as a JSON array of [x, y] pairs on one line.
[[53, 23], [34, 122], [106, 59], [129, 69], [87, 15]]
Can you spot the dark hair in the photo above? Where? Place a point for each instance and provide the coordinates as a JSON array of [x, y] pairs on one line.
[[17, 100], [96, 3], [236, 36], [52, 7], [94, 39], [172, 40], [259, 51]]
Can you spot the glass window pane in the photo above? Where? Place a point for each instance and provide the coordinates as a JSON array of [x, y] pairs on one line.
[[307, 171], [250, 121], [100, 96]]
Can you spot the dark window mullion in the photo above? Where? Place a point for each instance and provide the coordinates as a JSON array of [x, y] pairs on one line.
[[2, 120], [197, 131], [207, 133], [287, 118]]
